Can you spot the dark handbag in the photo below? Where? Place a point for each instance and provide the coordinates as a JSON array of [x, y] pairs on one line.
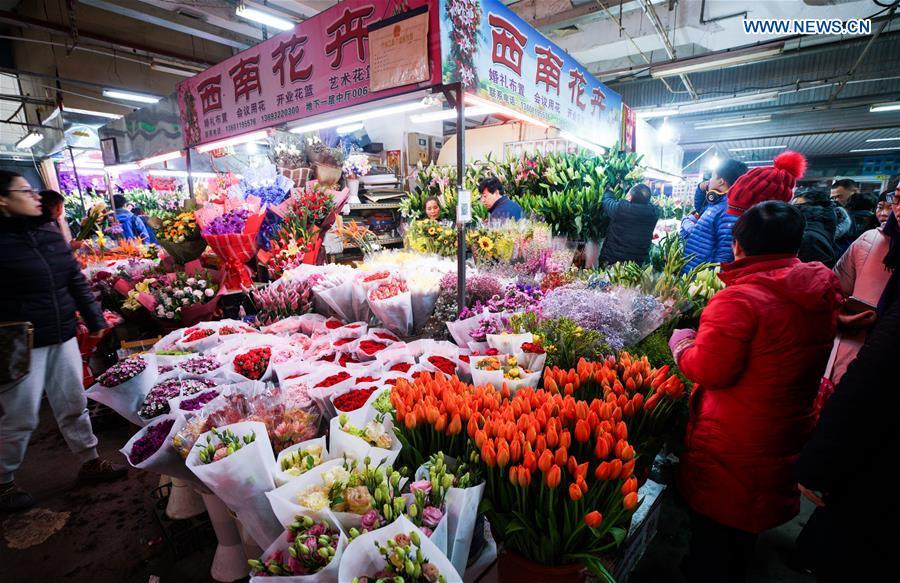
[[16, 342]]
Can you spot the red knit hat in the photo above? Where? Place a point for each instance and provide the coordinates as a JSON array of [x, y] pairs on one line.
[[768, 183]]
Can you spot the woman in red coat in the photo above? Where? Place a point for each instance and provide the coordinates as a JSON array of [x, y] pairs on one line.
[[756, 360]]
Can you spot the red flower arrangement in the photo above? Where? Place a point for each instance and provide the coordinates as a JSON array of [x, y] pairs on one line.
[[253, 364], [333, 324], [353, 400], [329, 358], [366, 380], [388, 290], [386, 336], [444, 364], [370, 347], [401, 367], [343, 341], [347, 359], [376, 276], [533, 348], [333, 380], [229, 330], [199, 335]]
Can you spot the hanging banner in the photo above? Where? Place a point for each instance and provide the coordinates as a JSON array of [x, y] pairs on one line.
[[629, 120], [321, 65], [501, 58], [399, 47]]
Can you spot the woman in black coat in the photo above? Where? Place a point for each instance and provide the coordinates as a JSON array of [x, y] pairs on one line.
[[854, 443], [44, 286]]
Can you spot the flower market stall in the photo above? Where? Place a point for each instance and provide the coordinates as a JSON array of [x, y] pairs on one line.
[[422, 413]]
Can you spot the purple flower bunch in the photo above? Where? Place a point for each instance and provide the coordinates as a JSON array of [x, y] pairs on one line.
[[594, 309], [489, 324], [197, 402], [228, 223], [518, 297], [150, 442], [122, 371], [479, 288], [157, 401], [200, 365]]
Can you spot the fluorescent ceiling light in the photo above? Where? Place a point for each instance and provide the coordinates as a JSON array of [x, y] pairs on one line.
[[358, 117], [29, 140], [251, 148], [885, 148], [116, 168], [175, 68], [160, 158], [731, 122], [130, 96], [754, 148], [749, 99], [91, 112], [651, 113], [665, 133], [236, 141], [349, 128], [712, 62], [583, 143], [263, 18], [447, 114], [883, 139], [505, 111], [885, 107]]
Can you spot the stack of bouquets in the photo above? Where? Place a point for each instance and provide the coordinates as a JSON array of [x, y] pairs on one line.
[[231, 229], [649, 398], [311, 547], [124, 386]]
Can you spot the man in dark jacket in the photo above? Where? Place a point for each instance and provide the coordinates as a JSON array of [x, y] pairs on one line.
[[818, 235], [497, 203], [631, 227], [45, 288]]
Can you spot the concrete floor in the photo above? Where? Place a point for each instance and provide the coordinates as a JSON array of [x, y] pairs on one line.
[[110, 534]]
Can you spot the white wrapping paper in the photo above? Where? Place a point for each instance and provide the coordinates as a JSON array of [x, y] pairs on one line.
[[361, 558], [395, 313], [126, 398], [509, 343], [242, 479]]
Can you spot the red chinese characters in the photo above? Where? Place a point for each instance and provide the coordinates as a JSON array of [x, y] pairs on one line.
[[548, 65], [246, 78], [349, 27], [210, 92], [577, 84], [292, 52], [597, 100], [509, 43]]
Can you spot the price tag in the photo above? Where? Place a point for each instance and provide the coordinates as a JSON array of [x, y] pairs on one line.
[[463, 206]]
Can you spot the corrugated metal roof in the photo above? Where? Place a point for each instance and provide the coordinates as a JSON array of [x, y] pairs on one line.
[[812, 145]]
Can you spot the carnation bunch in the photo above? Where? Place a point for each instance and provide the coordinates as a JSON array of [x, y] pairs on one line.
[[149, 443], [122, 371], [157, 400], [253, 363]]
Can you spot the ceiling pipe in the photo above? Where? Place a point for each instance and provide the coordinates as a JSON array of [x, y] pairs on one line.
[[34, 23], [670, 50]]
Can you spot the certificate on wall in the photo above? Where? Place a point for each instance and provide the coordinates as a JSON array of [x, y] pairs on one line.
[[398, 49]]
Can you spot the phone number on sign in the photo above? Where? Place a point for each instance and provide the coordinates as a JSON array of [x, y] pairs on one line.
[[287, 112], [243, 124]]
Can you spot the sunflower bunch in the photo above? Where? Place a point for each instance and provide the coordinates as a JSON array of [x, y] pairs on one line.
[[428, 236], [489, 245]]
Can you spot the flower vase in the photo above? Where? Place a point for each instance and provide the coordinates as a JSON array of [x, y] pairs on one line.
[[591, 254], [353, 185], [512, 566]]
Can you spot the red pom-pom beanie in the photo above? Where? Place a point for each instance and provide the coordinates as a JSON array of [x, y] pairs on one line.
[[768, 183]]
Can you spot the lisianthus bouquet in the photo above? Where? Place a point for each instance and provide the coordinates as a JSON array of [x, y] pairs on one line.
[[299, 461], [429, 236], [401, 552], [310, 547], [428, 495], [373, 432], [282, 299], [231, 229], [227, 444]]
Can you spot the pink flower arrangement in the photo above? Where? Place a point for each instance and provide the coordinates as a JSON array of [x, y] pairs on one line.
[[390, 289]]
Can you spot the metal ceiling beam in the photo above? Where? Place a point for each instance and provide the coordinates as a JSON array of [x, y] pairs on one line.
[[670, 50], [173, 21], [7, 17]]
